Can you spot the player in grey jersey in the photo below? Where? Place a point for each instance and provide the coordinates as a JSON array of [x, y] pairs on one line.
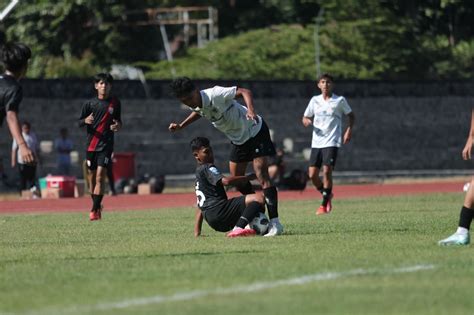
[[247, 131]]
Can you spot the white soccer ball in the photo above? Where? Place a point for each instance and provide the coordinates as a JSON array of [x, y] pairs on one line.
[[260, 223]]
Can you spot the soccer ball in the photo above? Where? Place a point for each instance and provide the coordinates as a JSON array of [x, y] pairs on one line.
[[260, 223]]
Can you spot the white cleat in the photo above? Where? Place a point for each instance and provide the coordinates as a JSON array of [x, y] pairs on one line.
[[455, 239], [274, 229]]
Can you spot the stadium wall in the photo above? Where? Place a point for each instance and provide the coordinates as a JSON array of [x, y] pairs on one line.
[[399, 125]]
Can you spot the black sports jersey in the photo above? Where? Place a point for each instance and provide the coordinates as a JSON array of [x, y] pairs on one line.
[[99, 135], [11, 95], [209, 189]]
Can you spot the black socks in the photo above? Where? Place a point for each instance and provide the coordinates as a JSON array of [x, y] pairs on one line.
[[326, 195], [465, 217], [96, 202], [249, 213]]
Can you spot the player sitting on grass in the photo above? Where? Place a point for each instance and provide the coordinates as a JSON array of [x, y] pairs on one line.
[[102, 117], [221, 214], [325, 113], [461, 237]]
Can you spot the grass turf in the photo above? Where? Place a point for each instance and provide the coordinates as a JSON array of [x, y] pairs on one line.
[[63, 264]]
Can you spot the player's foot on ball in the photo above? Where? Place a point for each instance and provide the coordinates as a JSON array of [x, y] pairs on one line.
[[455, 239], [321, 210], [241, 232], [274, 229], [94, 215]]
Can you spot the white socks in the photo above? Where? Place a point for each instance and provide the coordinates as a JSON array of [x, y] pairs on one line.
[[462, 231]]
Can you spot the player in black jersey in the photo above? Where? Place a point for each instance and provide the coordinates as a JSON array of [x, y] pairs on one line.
[[15, 58], [221, 214], [102, 116]]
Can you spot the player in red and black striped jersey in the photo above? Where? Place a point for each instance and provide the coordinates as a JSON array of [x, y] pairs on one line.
[[102, 117]]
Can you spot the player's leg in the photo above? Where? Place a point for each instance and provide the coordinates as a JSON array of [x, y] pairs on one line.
[[313, 173], [238, 169], [461, 236], [329, 157], [92, 169]]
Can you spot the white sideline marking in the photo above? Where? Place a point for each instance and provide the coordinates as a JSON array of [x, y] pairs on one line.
[[257, 286]]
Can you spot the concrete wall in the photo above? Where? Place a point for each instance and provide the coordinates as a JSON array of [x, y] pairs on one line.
[[399, 125]]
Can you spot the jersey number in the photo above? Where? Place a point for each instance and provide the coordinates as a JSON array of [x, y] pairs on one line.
[[200, 196]]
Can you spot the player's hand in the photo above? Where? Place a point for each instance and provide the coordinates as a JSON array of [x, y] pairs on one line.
[[116, 125], [252, 116], [466, 152], [174, 127], [26, 154], [197, 233], [89, 120], [306, 121]]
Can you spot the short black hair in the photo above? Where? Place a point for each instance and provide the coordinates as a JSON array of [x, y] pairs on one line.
[[105, 77], [26, 123], [15, 56], [326, 76], [198, 143], [182, 86]]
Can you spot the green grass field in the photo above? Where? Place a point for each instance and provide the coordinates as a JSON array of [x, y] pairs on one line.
[[355, 261]]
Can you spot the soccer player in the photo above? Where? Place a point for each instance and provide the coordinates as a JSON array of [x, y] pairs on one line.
[[102, 116], [221, 214], [247, 131], [325, 112], [15, 58], [461, 237]]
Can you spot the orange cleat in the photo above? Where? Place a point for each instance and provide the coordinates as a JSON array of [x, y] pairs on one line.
[[321, 210], [241, 232], [94, 215]]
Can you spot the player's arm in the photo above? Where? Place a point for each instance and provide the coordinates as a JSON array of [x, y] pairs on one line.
[[86, 117], [237, 180], [189, 120], [15, 130], [117, 120], [348, 132], [466, 152], [248, 99], [307, 121], [14, 151], [198, 223]]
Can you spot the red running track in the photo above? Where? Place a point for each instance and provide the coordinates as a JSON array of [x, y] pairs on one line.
[[156, 201]]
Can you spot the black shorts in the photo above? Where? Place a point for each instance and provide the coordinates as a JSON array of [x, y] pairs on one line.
[[98, 158], [323, 156], [224, 217], [260, 145]]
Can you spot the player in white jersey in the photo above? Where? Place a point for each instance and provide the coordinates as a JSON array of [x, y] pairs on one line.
[[324, 112], [461, 236], [247, 131]]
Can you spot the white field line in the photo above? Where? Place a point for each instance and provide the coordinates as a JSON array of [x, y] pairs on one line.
[[253, 287]]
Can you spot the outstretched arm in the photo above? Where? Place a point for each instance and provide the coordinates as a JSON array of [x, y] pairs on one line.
[[348, 132], [237, 180], [15, 130], [248, 99], [466, 152], [198, 223], [189, 120]]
